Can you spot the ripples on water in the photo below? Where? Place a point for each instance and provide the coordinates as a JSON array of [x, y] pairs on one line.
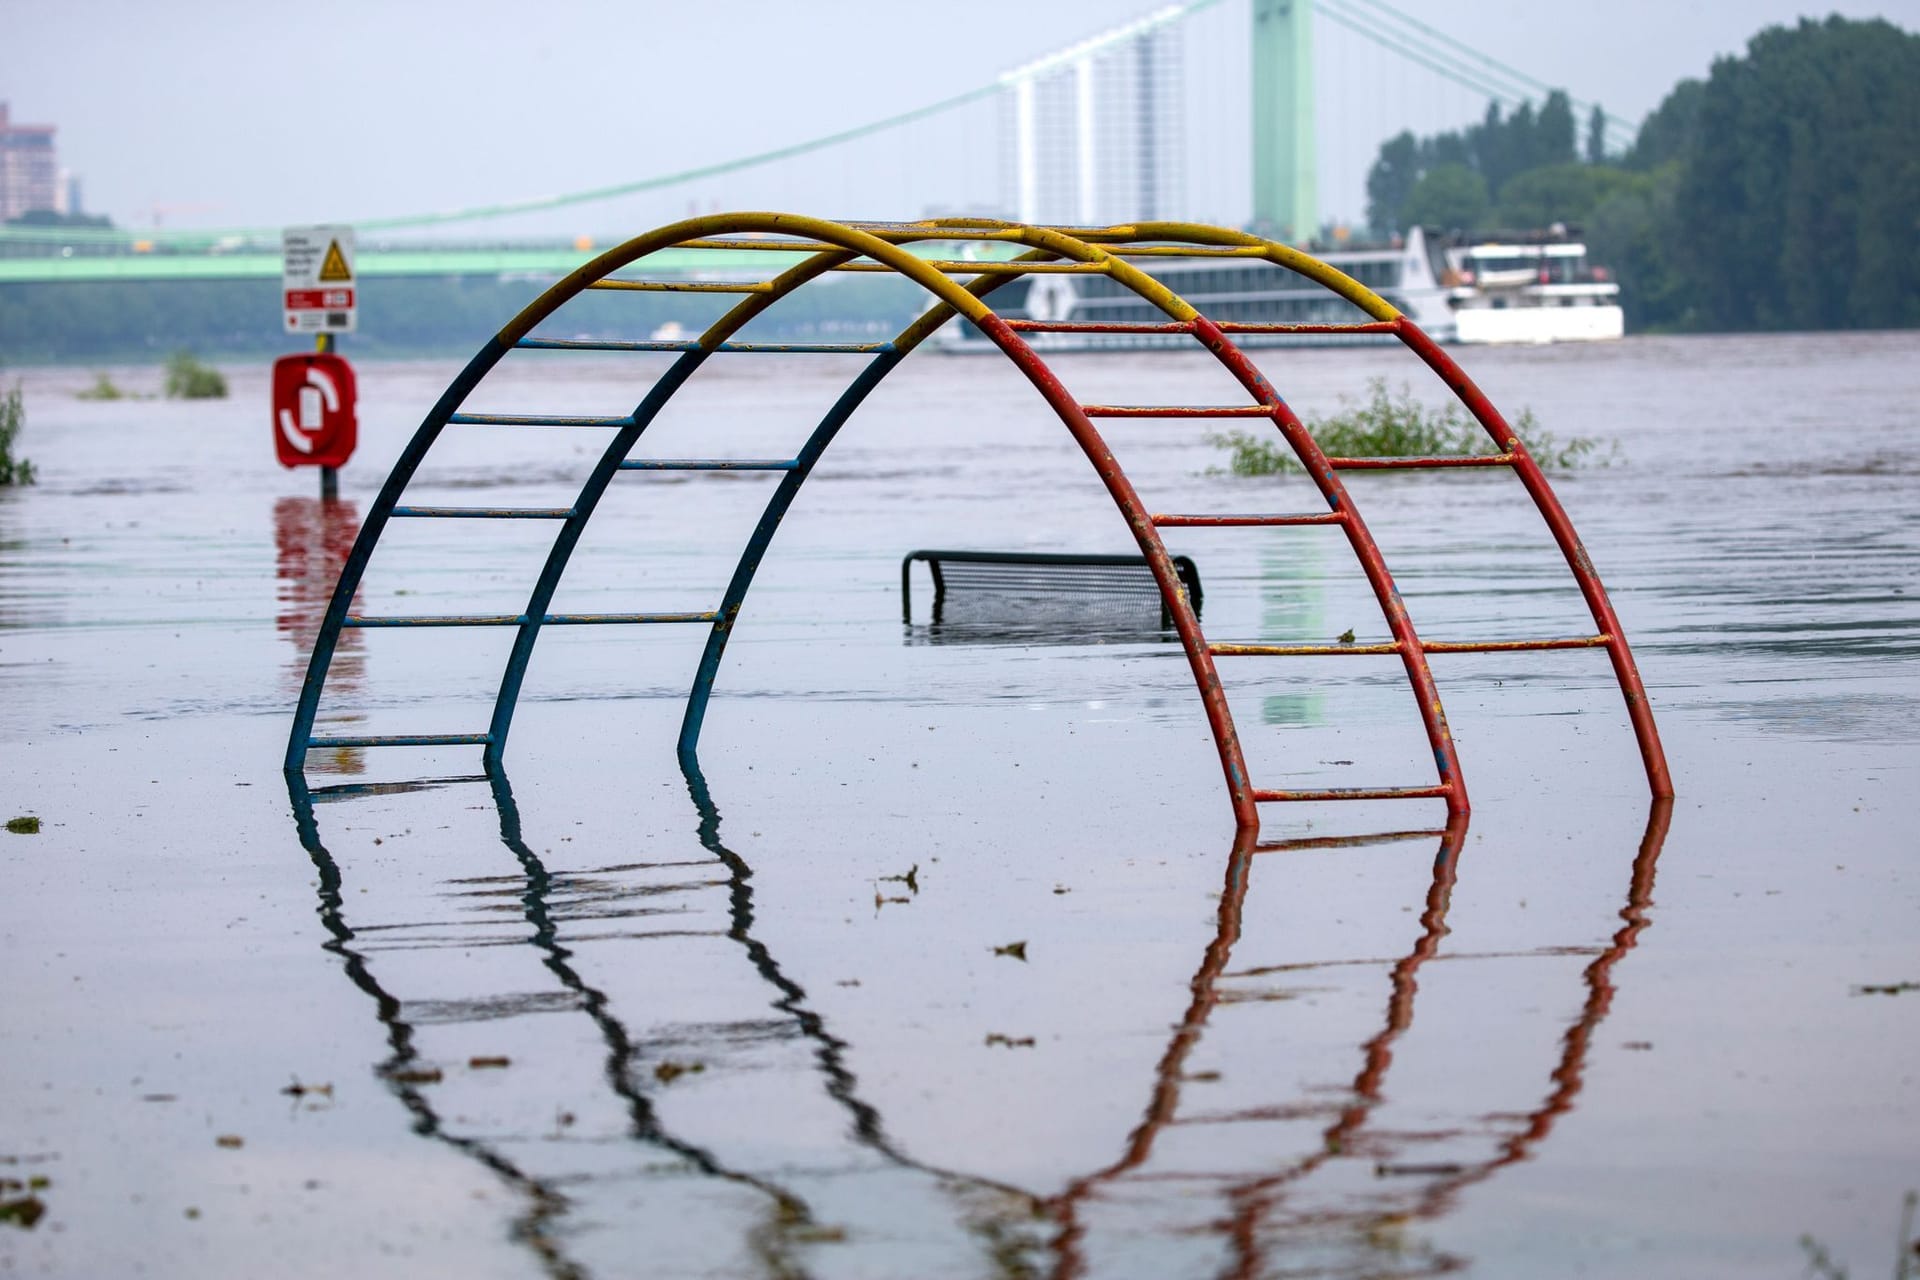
[[785, 1045]]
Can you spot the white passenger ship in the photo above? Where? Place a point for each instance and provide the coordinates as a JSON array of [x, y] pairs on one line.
[[1517, 290], [1531, 290]]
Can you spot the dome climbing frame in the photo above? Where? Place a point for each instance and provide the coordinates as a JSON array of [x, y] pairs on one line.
[[961, 285]]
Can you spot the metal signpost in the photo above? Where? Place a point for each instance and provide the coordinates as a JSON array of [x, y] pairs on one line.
[[322, 297]]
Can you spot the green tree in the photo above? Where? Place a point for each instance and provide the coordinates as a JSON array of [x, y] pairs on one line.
[[1631, 231], [1448, 196], [1668, 133], [1491, 142], [1795, 203], [1597, 136], [1559, 193], [13, 416], [1498, 148], [1551, 142], [1391, 180]]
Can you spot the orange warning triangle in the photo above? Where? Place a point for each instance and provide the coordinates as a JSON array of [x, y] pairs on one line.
[[334, 269]]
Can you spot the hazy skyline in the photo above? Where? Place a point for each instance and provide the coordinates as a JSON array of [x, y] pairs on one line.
[[229, 114]]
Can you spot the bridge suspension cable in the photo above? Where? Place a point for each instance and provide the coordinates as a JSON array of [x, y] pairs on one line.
[[1378, 22], [1429, 47]]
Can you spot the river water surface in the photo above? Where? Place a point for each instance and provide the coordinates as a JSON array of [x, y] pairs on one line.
[[945, 962]]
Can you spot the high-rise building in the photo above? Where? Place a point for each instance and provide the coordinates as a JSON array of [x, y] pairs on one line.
[[1093, 135], [29, 175]]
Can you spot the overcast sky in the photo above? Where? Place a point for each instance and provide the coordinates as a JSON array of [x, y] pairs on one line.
[[235, 112]]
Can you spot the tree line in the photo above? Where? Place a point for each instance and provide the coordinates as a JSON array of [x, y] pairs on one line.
[[1782, 192]]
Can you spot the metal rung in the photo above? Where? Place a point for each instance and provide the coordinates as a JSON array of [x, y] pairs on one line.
[[1371, 326], [710, 464], [767, 246], [532, 420], [1401, 464], [1357, 793], [1346, 842], [521, 619], [1095, 326], [596, 619], [810, 348], [1297, 650], [685, 286], [1177, 410], [1190, 251], [1515, 646], [483, 513], [406, 740], [962, 266], [1227, 521], [796, 348], [1428, 646]]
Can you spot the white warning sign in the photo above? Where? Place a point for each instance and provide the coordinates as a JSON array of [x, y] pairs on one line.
[[317, 280]]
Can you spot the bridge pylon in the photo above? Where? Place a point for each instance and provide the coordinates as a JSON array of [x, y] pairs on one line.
[[1286, 201]]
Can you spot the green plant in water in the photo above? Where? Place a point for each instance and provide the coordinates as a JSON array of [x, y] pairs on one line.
[[188, 379], [13, 415], [1385, 425], [103, 388]]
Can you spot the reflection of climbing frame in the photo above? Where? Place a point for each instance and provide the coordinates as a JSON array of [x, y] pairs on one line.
[[823, 247], [1274, 1212], [553, 906]]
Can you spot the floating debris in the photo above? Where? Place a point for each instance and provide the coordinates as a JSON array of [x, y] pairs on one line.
[[28, 826], [416, 1075], [1018, 950], [489, 1062], [911, 879], [1887, 989], [813, 1234], [1011, 1042], [669, 1071], [1346, 637], [231, 1141], [298, 1090], [23, 1210]]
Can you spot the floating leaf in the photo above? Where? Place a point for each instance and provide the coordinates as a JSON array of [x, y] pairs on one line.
[[669, 1071], [1018, 950], [298, 1090]]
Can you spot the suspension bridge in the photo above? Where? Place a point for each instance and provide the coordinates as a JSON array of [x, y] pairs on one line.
[[1242, 110]]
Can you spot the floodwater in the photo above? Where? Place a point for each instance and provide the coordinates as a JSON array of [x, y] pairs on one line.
[[946, 962]]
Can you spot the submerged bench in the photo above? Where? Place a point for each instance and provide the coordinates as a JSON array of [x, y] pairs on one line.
[[1030, 588]]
